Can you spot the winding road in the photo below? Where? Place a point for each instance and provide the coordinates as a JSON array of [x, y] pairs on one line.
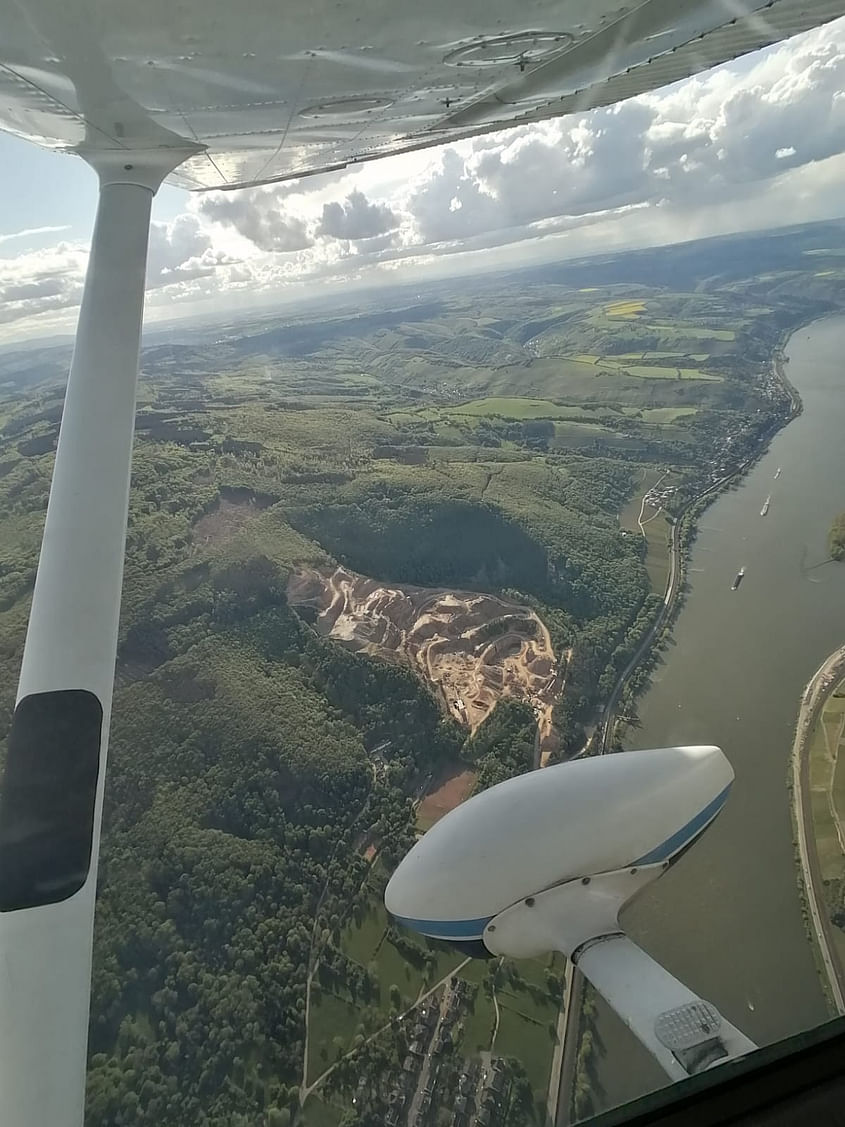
[[608, 718]]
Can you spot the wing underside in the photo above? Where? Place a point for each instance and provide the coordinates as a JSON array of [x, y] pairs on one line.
[[270, 92]]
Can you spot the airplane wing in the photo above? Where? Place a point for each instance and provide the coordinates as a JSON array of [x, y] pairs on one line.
[[270, 91]]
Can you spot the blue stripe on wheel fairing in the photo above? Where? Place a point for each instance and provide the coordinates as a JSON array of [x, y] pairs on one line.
[[681, 837], [447, 929]]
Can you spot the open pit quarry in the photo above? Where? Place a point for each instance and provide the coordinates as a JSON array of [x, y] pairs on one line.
[[474, 648]]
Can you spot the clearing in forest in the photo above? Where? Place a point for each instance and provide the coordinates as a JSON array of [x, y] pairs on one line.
[[454, 784], [227, 517]]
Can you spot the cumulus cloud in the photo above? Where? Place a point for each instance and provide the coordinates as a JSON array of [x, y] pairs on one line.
[[451, 202], [41, 282], [181, 251], [356, 218], [260, 215]]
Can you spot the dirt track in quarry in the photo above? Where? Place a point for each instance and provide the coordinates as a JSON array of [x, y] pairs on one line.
[[473, 647]]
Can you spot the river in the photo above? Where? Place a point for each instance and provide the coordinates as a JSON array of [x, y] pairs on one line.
[[727, 919]]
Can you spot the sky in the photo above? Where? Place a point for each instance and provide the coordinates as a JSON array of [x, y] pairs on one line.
[[756, 143]]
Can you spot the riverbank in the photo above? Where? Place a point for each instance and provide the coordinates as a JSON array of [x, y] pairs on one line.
[[820, 686], [702, 700], [683, 531]]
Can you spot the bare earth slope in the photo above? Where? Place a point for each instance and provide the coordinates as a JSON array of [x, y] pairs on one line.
[[474, 647]]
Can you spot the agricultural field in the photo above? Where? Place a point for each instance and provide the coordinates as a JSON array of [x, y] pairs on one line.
[[694, 332], [827, 801], [626, 309], [478, 1025], [647, 521], [514, 408], [318, 1113], [531, 1041], [661, 415], [331, 1026], [659, 372]]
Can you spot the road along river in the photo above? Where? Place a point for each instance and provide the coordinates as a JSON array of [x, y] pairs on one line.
[[728, 918]]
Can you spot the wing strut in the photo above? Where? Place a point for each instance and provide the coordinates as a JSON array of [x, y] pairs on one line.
[[580, 918], [52, 787], [683, 1032]]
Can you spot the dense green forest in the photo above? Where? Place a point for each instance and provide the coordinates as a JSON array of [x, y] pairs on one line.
[[261, 778], [504, 744], [240, 773]]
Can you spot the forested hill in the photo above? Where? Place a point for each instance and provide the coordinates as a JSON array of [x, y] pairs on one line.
[[240, 796], [262, 780]]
